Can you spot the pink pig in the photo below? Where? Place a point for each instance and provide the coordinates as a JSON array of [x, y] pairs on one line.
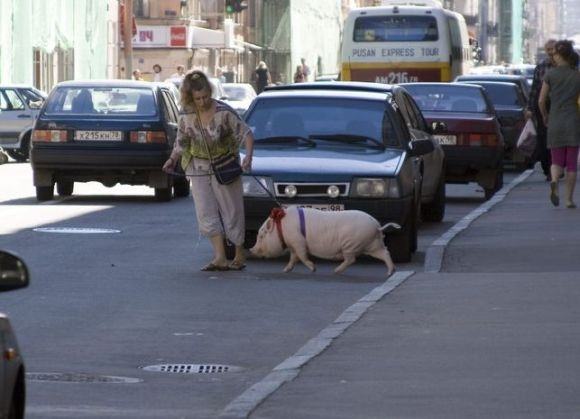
[[334, 235]]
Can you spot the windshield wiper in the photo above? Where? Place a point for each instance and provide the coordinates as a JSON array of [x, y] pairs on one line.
[[285, 139], [348, 138]]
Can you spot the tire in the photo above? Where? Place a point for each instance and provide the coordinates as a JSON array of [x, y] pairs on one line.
[[17, 404], [65, 188], [23, 153], [181, 187], [163, 194], [435, 211], [44, 193], [498, 184], [400, 245]]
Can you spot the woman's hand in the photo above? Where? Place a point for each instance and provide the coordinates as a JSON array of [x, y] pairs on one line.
[[247, 163], [169, 166]]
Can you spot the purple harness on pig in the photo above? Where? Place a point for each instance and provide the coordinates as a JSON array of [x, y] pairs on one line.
[[277, 214]]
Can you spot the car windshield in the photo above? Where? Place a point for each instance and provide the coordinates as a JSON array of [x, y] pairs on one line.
[[446, 98], [323, 120], [501, 94], [105, 101], [236, 92]]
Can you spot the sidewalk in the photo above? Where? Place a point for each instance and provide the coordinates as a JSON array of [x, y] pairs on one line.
[[496, 334]]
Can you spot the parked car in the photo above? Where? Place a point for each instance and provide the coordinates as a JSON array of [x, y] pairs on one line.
[[240, 95], [109, 131], [13, 275], [505, 78], [19, 107], [468, 129], [526, 70], [328, 77], [340, 146], [509, 102]]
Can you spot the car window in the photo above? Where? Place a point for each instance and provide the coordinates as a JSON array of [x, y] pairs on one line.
[[292, 116], [11, 101], [407, 112], [102, 101], [31, 97], [504, 95], [168, 110], [448, 98]]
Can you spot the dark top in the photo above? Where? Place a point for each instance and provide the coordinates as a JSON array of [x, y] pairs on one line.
[[564, 116], [261, 79]]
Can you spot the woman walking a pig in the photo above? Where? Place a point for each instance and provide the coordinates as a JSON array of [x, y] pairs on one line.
[[219, 208]]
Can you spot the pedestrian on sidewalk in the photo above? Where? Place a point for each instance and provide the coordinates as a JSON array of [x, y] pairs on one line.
[[542, 154], [262, 77], [562, 88], [219, 208], [299, 76]]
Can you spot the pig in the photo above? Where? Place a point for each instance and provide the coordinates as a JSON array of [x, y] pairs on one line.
[[334, 235]]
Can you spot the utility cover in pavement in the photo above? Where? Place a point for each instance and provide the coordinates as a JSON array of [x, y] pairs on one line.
[[76, 230], [192, 368], [79, 378]]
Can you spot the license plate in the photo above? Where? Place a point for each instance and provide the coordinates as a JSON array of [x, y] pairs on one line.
[[98, 135], [446, 139], [322, 207]]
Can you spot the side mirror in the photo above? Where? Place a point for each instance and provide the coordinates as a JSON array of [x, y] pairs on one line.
[[13, 272], [420, 147], [438, 127], [35, 104]]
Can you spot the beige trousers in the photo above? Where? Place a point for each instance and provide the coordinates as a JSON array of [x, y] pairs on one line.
[[212, 199]]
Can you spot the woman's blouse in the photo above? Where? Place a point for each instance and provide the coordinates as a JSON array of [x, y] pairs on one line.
[[224, 134], [564, 116]]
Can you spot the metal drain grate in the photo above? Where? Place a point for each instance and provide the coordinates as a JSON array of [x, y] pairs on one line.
[[192, 368], [76, 230], [79, 378]]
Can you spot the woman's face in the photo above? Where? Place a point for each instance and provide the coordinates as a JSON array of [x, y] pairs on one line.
[[202, 99]]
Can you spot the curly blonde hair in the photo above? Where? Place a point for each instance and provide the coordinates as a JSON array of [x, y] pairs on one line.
[[193, 80]]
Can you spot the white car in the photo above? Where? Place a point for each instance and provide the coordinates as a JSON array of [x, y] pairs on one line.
[[19, 107], [240, 95], [13, 275]]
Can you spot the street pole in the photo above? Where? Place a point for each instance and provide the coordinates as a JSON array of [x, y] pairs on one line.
[[128, 37]]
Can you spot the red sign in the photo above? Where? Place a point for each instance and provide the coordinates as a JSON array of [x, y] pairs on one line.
[[396, 75], [178, 36]]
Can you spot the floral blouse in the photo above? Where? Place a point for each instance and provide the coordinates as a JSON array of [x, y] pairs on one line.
[[224, 134]]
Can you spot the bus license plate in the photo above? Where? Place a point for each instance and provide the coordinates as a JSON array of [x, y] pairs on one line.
[[98, 135], [446, 139]]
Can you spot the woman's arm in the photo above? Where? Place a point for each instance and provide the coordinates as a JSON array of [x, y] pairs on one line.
[[544, 93], [178, 147], [249, 146]]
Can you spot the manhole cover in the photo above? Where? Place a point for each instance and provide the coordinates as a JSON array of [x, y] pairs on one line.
[[192, 368], [79, 378], [76, 230]]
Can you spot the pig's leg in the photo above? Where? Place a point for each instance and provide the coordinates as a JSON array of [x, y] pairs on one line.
[[384, 255], [302, 254], [292, 261], [349, 259]]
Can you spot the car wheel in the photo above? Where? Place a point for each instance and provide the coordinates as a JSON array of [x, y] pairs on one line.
[[498, 184], [163, 194], [65, 188], [181, 188], [250, 238], [435, 211], [23, 153], [16, 410], [44, 193], [400, 245]]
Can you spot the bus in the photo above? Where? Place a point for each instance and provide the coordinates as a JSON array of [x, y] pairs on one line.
[[401, 42]]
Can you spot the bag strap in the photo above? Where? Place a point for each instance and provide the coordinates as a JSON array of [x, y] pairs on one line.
[[204, 139]]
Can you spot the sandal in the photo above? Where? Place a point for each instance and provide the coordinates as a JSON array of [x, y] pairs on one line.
[[570, 205], [237, 266], [213, 267]]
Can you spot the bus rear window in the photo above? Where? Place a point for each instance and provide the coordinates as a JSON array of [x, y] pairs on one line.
[[395, 29]]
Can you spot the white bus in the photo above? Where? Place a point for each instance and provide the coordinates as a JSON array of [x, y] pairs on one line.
[[400, 43]]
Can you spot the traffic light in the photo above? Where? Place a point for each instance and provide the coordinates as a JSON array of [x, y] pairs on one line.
[[235, 6]]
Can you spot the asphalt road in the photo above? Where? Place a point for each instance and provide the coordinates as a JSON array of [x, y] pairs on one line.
[[106, 305]]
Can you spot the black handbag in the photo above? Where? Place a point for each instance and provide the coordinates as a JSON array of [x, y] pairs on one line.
[[226, 168]]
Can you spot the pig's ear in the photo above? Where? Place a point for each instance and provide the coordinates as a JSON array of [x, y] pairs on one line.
[[269, 225]]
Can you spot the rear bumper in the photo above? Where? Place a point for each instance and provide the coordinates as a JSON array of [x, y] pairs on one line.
[[464, 163]]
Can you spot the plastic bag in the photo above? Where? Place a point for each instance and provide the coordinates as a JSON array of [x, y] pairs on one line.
[[527, 140]]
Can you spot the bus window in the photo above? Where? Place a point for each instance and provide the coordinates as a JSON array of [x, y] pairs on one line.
[[395, 29]]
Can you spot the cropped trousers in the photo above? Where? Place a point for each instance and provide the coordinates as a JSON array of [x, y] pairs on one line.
[[219, 208]]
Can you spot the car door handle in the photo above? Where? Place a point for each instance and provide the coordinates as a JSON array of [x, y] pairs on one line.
[[23, 115]]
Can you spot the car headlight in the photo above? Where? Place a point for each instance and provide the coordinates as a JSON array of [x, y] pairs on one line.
[[251, 186], [375, 188]]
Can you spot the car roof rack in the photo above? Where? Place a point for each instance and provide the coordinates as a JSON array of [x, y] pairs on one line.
[[334, 85]]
